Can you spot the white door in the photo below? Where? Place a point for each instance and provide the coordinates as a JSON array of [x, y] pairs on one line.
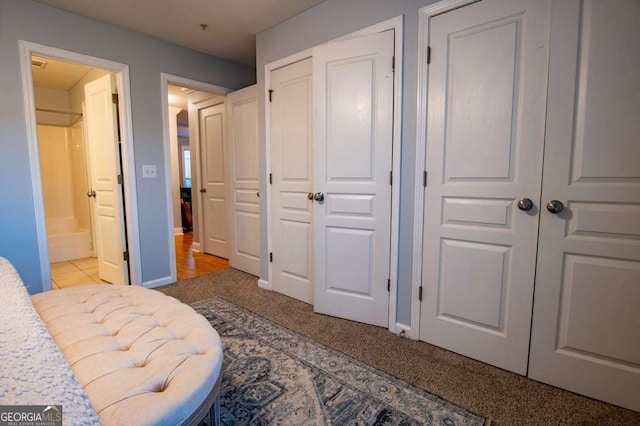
[[353, 98], [485, 136], [292, 181], [213, 185], [244, 185], [104, 153], [586, 317]]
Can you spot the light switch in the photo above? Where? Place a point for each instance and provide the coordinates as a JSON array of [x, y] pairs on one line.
[[149, 171]]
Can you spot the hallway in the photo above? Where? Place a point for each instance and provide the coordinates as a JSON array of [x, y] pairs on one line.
[[189, 264]]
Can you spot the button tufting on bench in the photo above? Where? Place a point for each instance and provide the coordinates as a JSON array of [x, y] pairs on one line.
[[133, 351]]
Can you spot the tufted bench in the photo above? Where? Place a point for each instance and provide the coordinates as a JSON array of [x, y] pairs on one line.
[[142, 357]]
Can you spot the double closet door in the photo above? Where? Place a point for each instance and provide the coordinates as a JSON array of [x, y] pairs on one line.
[[331, 159], [533, 157]]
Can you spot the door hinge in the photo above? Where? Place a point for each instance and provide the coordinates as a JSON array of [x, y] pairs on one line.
[[270, 178], [388, 284], [271, 256], [393, 63], [120, 180], [420, 293], [424, 178], [125, 256], [114, 98], [270, 95], [428, 54], [391, 178]]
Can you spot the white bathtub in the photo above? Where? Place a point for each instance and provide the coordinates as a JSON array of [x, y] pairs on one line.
[[67, 240]]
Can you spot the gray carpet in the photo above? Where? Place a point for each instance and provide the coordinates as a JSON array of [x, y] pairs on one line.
[[272, 375], [506, 398]]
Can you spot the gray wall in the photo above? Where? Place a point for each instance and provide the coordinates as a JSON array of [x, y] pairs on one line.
[[327, 21], [147, 58]]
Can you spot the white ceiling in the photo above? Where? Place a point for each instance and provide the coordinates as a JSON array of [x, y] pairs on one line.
[[57, 74], [231, 25]]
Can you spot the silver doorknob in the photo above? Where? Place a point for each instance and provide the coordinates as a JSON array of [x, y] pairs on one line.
[[555, 206], [91, 193], [310, 196], [318, 196], [525, 204], [203, 190]]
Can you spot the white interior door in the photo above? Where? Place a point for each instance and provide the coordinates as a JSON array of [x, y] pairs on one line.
[[244, 185], [102, 134], [292, 181], [586, 317], [353, 97], [485, 137], [214, 186]]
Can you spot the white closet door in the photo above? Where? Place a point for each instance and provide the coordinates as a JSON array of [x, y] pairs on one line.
[[244, 220], [586, 318], [214, 182], [292, 180], [104, 154], [353, 97], [485, 136]]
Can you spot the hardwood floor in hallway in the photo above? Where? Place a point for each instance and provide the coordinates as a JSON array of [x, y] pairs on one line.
[[190, 264]]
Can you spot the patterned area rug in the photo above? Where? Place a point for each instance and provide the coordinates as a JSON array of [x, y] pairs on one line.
[[272, 375]]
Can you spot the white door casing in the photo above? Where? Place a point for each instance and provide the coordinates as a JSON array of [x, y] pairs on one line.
[[213, 188], [104, 154], [244, 184], [485, 135], [292, 180], [585, 334], [353, 146]]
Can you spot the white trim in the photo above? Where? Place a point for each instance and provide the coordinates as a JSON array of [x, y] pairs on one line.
[[389, 24], [34, 165], [130, 197], [159, 282], [403, 328], [396, 24], [165, 80], [263, 284], [195, 247], [424, 14]]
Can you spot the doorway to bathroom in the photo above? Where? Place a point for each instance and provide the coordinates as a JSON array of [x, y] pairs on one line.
[[79, 151]]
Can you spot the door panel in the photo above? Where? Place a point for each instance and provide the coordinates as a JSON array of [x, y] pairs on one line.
[[102, 142], [353, 144], [214, 198], [485, 137], [292, 180], [586, 318], [242, 108]]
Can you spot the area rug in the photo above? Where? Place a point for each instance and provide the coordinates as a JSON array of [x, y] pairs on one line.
[[272, 375]]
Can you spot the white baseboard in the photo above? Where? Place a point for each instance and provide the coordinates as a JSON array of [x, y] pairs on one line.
[[195, 247], [264, 284], [158, 282], [178, 231], [404, 330]]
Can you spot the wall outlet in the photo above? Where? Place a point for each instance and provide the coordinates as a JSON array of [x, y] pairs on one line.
[[149, 171]]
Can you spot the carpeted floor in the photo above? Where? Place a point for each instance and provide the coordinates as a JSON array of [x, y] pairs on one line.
[[506, 398]]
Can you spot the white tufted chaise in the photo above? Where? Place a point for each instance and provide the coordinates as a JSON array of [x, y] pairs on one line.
[[143, 358]]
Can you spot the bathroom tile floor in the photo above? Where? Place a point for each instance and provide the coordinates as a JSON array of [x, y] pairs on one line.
[[74, 273]]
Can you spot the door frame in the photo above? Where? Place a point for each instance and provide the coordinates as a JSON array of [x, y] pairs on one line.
[[424, 15], [165, 80], [396, 24], [121, 72]]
